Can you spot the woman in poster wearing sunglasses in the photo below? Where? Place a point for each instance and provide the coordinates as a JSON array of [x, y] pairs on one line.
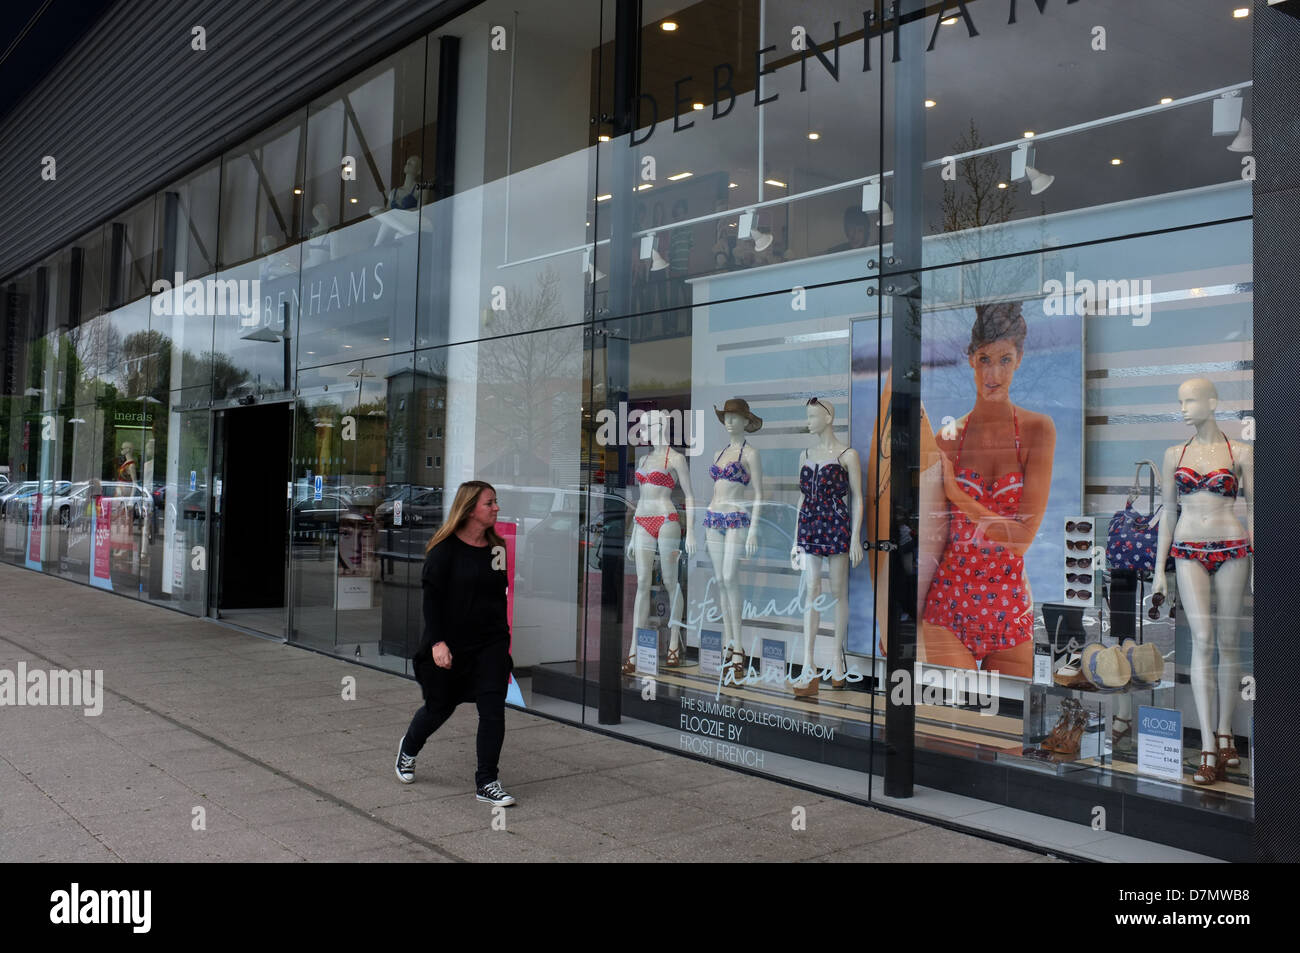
[[997, 473]]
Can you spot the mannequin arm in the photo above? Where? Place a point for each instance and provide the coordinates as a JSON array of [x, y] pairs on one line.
[[683, 474], [756, 480], [798, 512], [1168, 519], [854, 465]]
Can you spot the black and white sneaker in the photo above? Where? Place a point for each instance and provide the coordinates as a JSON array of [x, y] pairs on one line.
[[405, 763], [492, 793]]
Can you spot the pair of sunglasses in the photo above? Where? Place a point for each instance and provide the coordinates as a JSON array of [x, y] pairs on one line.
[[1073, 527], [1078, 594], [1079, 545], [1156, 602], [1078, 563], [1082, 577]]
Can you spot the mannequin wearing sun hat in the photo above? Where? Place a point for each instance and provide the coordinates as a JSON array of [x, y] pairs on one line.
[[732, 518]]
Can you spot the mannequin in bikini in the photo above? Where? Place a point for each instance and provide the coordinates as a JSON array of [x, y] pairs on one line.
[[829, 534], [406, 197], [997, 472], [730, 518], [1211, 551], [658, 527]]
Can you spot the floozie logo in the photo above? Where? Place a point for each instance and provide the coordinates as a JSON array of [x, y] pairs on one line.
[[209, 296], [57, 687], [643, 427], [1084, 297]]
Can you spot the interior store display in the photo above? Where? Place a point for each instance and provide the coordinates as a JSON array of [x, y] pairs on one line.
[[1211, 550], [829, 536], [658, 530], [732, 514]]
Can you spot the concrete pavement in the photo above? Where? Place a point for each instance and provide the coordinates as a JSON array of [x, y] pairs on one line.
[[216, 745]]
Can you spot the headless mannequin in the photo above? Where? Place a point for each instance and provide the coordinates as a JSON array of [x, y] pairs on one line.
[[656, 502], [828, 451], [1207, 517], [724, 545]]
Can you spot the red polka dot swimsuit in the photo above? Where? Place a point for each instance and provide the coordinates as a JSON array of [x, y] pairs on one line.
[[980, 592]]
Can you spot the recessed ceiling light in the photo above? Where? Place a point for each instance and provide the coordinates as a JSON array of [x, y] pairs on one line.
[[1029, 133], [1166, 100], [1241, 13], [1116, 161], [604, 198], [930, 104], [386, 339], [668, 26], [814, 136], [353, 200], [1002, 185], [779, 184], [679, 176], [347, 345], [697, 106], [602, 138], [644, 185], [297, 191], [732, 185], [948, 21]]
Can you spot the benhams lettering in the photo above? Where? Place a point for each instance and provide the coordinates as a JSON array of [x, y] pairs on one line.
[[57, 687], [77, 906], [826, 52]]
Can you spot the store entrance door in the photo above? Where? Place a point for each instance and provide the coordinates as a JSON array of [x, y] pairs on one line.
[[251, 515]]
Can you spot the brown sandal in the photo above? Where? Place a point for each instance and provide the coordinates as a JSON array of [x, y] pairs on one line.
[[1068, 745], [1209, 773], [1117, 737], [1059, 731], [674, 659], [629, 667], [1228, 756]]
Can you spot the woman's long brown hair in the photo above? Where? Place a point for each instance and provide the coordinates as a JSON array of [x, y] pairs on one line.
[[461, 509]]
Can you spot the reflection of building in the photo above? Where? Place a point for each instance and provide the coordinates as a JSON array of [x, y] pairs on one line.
[[491, 278]]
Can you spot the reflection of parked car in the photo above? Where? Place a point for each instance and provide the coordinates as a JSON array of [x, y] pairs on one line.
[[422, 508], [29, 488], [77, 503], [326, 513]]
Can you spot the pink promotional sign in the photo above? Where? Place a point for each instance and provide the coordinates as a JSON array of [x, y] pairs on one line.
[[507, 532], [34, 532], [101, 545]]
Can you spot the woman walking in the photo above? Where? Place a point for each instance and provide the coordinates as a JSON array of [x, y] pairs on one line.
[[465, 653]]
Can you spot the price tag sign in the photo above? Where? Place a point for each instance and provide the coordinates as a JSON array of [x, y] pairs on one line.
[[710, 652], [647, 651], [1042, 664], [1160, 742], [773, 660]]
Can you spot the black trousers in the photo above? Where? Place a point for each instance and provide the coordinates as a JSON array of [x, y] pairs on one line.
[[476, 675]]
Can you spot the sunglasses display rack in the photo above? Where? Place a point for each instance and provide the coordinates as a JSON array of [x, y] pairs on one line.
[[1082, 578]]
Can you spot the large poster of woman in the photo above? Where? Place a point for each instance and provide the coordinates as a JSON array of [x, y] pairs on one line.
[[1002, 388]]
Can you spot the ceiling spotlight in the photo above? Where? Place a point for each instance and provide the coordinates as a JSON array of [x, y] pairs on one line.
[[353, 200], [697, 106], [604, 198], [1116, 161], [668, 26], [1029, 133], [1002, 185], [297, 191], [930, 104], [1245, 140], [775, 182], [1241, 13], [602, 138], [644, 185], [948, 21], [1038, 181], [1022, 169], [814, 136], [679, 176], [732, 185], [1166, 100]]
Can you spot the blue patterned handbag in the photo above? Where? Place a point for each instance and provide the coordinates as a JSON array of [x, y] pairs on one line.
[[1131, 539]]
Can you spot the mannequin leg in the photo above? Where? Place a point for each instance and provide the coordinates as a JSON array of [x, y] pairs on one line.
[[670, 538], [840, 590], [944, 648], [643, 549], [1013, 661], [716, 542], [731, 582], [1194, 594], [1229, 592], [812, 619]]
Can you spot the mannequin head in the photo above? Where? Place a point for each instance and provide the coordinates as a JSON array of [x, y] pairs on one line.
[[656, 428], [997, 345], [1198, 399], [128, 451], [412, 167], [734, 424], [820, 416]]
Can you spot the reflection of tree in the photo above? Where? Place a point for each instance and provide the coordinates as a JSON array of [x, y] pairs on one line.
[[526, 376]]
